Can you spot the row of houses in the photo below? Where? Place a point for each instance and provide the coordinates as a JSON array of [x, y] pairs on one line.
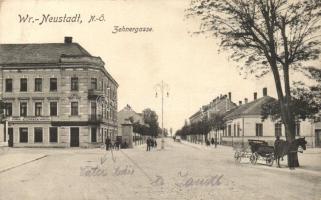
[[244, 121], [55, 95]]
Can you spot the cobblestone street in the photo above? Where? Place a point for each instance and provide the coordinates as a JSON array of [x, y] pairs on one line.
[[181, 171]]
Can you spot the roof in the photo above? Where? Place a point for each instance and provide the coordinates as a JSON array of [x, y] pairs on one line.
[[126, 113], [196, 114], [218, 103], [38, 53], [23, 55], [251, 108]]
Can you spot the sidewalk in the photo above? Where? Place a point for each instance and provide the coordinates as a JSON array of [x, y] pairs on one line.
[[10, 160], [223, 148], [3, 144], [310, 159]]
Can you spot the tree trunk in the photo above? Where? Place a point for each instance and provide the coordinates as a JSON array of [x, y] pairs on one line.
[[290, 131]]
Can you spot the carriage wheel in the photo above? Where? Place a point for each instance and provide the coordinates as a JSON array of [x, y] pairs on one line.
[[253, 158], [270, 160]]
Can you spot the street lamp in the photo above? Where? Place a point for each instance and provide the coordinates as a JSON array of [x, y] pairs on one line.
[[162, 88]]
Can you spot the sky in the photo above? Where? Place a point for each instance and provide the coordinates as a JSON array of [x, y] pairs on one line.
[[191, 65]]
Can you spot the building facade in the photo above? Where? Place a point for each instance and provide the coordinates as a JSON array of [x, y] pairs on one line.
[[56, 95], [220, 105], [245, 122], [126, 117]]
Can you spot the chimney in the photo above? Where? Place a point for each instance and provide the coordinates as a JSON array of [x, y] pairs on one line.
[[265, 92], [240, 102], [245, 100], [68, 40], [255, 96], [230, 96]]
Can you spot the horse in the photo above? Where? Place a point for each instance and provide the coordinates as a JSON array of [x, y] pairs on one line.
[[282, 148]]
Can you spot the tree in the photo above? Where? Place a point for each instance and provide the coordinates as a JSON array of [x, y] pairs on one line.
[[216, 121], [267, 36], [151, 119]]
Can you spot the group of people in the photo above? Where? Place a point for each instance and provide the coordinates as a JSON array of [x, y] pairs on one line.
[[151, 143], [112, 144], [212, 142]]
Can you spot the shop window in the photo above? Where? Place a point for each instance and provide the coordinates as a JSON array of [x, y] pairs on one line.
[[53, 134], [38, 134], [23, 135]]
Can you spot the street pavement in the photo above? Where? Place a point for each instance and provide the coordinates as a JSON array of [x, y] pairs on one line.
[[181, 171]]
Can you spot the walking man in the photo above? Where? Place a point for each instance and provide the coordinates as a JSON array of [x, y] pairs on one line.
[[148, 142], [107, 142]]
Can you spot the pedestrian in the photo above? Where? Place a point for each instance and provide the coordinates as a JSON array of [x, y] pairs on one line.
[[212, 141], [277, 141], [215, 142], [125, 145], [148, 142], [107, 142], [155, 144]]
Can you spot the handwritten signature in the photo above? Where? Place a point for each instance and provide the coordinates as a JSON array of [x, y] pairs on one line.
[[99, 171]]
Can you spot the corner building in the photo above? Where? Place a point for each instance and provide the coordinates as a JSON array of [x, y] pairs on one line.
[[56, 95]]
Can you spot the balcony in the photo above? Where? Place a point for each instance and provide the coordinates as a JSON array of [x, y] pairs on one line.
[[94, 93], [95, 118]]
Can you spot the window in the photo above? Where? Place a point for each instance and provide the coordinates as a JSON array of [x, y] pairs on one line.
[[23, 109], [297, 128], [38, 108], [102, 85], [74, 84], [259, 129], [38, 134], [23, 134], [234, 130], [278, 129], [53, 108], [74, 108], [8, 85], [93, 135], [23, 85], [93, 84], [53, 134], [229, 130], [53, 84], [8, 109], [107, 114], [38, 84], [93, 109], [238, 130]]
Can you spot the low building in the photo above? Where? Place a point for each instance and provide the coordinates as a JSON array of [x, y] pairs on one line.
[[245, 122], [126, 117], [56, 95]]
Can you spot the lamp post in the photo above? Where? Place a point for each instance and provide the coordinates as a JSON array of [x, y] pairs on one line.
[[162, 87]]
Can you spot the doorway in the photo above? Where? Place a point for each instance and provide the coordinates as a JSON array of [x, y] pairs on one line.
[[10, 134], [318, 138], [74, 137]]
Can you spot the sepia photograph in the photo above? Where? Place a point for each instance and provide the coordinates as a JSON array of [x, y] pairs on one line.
[[160, 99]]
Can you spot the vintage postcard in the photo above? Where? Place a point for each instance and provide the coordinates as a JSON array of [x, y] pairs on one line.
[[160, 99]]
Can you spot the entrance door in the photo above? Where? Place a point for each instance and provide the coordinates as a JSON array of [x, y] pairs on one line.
[[10, 133], [74, 137]]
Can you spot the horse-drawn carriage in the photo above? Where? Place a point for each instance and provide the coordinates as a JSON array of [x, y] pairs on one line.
[[257, 150], [260, 150]]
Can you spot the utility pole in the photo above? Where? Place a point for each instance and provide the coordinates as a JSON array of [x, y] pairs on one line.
[[162, 87]]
